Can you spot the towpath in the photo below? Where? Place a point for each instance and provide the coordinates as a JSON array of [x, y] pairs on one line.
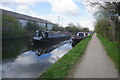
[[94, 63]]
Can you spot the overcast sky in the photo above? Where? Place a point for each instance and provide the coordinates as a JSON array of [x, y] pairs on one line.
[[68, 11]]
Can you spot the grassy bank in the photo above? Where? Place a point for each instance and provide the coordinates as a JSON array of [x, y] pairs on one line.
[[111, 48], [63, 66]]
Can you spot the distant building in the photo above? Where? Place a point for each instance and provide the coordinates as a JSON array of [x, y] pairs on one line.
[[23, 19]]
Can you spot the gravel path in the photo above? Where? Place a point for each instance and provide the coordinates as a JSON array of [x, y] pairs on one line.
[[94, 63]]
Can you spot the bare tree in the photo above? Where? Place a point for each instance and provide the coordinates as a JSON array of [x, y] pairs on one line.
[[113, 12]]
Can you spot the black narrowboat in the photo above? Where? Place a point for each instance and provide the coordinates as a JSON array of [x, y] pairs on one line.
[[50, 37], [79, 37]]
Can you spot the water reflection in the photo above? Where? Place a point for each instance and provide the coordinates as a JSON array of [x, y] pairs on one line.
[[42, 49], [12, 48], [31, 63]]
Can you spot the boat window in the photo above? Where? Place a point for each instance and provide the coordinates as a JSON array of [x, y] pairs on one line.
[[38, 34], [80, 35], [43, 34]]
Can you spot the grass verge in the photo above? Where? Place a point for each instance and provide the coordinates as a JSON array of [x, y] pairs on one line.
[[63, 66], [111, 48]]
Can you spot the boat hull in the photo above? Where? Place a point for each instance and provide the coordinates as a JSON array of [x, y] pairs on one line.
[[50, 40]]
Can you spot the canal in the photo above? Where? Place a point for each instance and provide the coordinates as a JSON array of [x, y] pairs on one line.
[[21, 59]]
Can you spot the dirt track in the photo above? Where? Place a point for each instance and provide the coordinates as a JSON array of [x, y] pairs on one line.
[[94, 63]]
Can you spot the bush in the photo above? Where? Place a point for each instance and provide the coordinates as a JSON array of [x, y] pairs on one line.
[[10, 27]]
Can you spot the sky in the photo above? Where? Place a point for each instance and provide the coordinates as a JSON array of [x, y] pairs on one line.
[[62, 12]]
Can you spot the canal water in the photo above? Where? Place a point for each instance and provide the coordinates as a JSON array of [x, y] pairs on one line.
[[21, 59]]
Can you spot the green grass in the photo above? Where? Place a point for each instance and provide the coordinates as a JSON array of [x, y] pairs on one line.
[[63, 66], [111, 48]]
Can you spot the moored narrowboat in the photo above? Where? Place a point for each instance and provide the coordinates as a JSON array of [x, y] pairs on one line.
[[50, 37], [76, 39], [79, 37]]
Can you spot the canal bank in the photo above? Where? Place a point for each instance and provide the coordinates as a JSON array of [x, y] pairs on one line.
[[112, 49], [63, 66], [95, 63]]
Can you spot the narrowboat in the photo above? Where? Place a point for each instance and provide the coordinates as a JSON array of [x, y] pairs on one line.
[[79, 37], [50, 37]]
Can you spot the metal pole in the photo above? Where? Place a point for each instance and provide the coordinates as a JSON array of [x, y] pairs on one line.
[[62, 22], [58, 20]]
